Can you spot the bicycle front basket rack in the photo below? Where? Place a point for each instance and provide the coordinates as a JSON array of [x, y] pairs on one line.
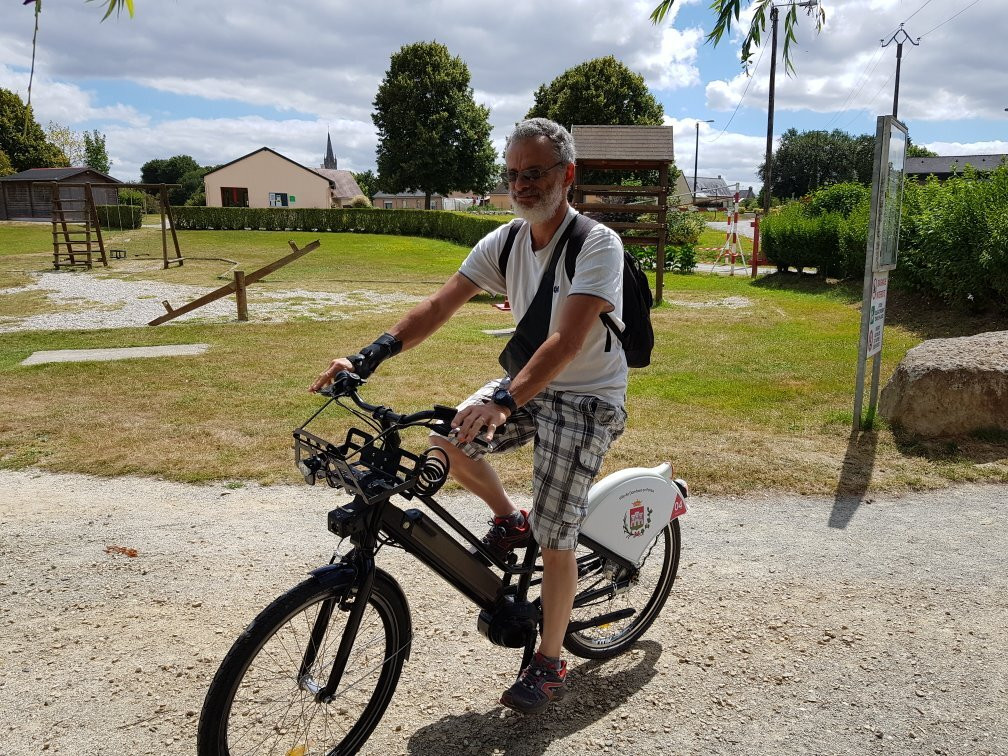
[[373, 467]]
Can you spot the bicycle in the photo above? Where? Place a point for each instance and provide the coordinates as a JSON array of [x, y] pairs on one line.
[[316, 669]]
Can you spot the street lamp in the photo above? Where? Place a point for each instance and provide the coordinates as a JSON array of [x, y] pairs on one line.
[[767, 179], [697, 155]]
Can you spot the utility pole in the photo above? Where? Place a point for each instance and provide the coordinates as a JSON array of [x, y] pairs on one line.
[[768, 179], [899, 60], [768, 163], [696, 156]]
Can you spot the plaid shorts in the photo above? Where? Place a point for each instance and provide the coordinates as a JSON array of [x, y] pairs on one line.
[[571, 434]]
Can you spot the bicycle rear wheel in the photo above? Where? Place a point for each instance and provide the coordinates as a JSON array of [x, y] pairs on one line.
[[258, 704], [631, 598]]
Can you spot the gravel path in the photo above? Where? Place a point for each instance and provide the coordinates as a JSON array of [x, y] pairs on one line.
[[88, 300], [782, 635]]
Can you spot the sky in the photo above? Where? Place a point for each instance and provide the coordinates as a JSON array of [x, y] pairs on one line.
[[219, 80]]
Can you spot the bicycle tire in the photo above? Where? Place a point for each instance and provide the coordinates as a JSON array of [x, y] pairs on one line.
[[256, 703], [646, 594]]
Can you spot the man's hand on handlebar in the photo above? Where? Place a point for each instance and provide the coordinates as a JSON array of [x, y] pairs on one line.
[[327, 375], [471, 421]]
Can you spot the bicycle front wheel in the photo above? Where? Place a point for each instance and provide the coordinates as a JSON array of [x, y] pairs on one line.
[[260, 702], [619, 604]]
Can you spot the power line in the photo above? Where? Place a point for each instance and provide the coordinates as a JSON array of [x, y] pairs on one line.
[[744, 91], [870, 102], [917, 11], [950, 18], [858, 85]]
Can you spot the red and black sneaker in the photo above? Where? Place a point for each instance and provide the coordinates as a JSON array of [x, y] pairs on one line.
[[538, 685], [506, 535]]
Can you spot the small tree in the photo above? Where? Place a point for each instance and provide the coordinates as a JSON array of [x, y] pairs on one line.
[[432, 136], [95, 155], [6, 169], [68, 141], [367, 181]]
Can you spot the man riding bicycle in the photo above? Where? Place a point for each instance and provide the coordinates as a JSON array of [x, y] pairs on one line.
[[567, 398]]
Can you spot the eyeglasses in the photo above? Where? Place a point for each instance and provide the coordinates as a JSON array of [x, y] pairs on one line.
[[532, 174]]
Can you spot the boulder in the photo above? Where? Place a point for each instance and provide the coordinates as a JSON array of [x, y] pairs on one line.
[[948, 387]]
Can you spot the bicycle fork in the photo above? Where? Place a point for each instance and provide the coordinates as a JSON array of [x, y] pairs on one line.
[[358, 592]]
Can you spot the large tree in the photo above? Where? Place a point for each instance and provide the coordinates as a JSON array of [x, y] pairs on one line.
[[728, 9], [178, 169], [25, 147], [602, 91], [432, 136], [807, 160]]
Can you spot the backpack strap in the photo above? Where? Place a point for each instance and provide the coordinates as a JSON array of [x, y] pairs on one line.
[[574, 245], [505, 253]]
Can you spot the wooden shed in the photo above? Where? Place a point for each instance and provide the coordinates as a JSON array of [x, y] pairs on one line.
[[627, 148], [19, 199]]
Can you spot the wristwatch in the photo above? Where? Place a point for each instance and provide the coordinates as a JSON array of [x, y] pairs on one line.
[[503, 397]]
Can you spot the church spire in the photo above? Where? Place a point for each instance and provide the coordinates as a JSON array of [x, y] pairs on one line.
[[330, 159]]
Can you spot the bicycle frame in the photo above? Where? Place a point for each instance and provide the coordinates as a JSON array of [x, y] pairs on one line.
[[378, 476]]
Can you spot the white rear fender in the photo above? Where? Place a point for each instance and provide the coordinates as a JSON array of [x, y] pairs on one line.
[[628, 508]]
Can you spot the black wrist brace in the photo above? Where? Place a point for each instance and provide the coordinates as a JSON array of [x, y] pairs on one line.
[[374, 354]]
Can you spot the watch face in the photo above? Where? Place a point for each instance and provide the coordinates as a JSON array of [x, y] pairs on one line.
[[503, 397]]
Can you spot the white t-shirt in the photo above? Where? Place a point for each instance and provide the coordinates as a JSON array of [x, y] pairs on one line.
[[598, 272]]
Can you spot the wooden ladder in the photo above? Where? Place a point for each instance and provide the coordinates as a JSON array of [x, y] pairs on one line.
[[77, 238]]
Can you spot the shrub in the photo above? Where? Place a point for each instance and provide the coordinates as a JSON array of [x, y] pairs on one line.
[[147, 202], [954, 239], [853, 241], [360, 201], [432, 224], [838, 198], [684, 228], [119, 216], [196, 199]]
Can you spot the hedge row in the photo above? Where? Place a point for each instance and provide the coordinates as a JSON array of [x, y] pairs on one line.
[[432, 224], [119, 216], [953, 236], [826, 231], [954, 239]]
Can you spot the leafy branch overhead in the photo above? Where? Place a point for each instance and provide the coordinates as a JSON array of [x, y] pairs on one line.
[[727, 10]]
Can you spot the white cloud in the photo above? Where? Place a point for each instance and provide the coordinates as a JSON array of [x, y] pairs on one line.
[[732, 156], [216, 80]]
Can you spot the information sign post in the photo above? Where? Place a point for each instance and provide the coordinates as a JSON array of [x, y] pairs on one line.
[[883, 244]]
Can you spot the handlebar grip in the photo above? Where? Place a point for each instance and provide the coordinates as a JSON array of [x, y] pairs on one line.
[[343, 383]]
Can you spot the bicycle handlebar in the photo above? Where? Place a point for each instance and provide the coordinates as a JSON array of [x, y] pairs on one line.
[[345, 384]]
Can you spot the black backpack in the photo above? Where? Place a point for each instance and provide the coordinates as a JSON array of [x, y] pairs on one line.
[[637, 338]]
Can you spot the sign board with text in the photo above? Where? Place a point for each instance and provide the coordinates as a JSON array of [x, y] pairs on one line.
[[888, 176], [876, 314]]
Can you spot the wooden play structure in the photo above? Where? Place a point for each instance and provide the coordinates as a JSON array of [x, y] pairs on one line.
[[627, 148], [76, 228], [236, 287]]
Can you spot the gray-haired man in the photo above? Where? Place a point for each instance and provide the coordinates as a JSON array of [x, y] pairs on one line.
[[568, 398]]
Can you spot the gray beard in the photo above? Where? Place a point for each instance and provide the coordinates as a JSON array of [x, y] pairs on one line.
[[543, 210]]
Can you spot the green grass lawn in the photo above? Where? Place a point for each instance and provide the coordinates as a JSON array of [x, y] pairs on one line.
[[739, 398]]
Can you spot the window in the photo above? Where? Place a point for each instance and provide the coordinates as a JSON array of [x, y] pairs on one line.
[[388, 204], [419, 204], [278, 199], [234, 196]]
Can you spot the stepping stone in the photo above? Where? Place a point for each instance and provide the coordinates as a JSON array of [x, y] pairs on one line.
[[499, 331], [123, 353]]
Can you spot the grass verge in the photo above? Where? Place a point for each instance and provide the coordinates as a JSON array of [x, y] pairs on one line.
[[750, 389]]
